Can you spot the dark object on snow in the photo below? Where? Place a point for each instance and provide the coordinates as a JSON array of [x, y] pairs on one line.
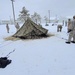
[[4, 61], [46, 25], [30, 30], [52, 24]]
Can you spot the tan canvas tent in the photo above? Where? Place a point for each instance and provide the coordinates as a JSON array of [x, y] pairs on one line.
[[30, 30]]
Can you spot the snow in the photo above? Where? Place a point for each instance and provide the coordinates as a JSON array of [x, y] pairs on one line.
[[47, 56]]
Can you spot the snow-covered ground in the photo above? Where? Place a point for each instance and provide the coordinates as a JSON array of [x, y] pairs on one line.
[[47, 56]]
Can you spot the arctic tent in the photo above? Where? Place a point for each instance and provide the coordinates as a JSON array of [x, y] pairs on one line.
[[31, 30]]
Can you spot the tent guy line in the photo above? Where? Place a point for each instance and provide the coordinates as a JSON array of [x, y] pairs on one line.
[[9, 53]]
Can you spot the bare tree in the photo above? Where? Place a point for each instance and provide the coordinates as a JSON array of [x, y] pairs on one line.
[[24, 14], [46, 19], [36, 17]]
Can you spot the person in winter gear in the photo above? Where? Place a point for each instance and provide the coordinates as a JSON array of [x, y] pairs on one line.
[[59, 28], [17, 26], [71, 30], [7, 27]]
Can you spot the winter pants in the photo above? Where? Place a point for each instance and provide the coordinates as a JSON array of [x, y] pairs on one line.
[[71, 35]]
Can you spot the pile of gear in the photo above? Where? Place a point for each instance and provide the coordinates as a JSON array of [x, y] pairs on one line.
[[4, 61]]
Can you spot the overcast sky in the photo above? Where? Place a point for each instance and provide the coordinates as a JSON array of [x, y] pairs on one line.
[[56, 7]]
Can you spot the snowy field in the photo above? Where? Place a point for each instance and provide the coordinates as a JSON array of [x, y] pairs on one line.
[[47, 56]]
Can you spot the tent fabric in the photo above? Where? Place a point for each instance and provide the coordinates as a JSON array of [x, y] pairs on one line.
[[30, 30]]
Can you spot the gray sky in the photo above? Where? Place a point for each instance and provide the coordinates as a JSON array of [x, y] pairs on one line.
[[57, 7]]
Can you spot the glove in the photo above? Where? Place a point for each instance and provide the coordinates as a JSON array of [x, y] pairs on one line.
[[69, 30]]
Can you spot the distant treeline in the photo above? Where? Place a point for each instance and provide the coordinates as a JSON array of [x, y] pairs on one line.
[[3, 22]]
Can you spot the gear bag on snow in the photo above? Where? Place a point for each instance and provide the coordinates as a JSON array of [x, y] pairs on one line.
[[4, 61]]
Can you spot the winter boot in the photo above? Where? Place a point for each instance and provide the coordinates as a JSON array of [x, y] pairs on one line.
[[68, 42], [73, 41]]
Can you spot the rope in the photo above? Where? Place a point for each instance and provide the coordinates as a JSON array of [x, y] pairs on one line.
[[10, 53]]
